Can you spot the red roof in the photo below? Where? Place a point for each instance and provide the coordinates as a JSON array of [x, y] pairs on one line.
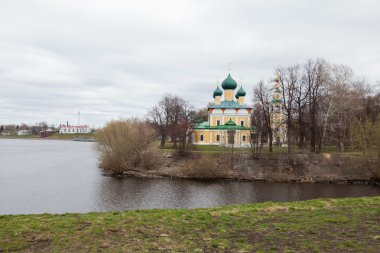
[[81, 126]]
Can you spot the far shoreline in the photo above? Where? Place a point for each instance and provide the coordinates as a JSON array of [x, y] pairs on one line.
[[56, 136]]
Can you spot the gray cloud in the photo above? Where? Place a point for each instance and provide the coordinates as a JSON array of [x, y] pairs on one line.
[[111, 59]]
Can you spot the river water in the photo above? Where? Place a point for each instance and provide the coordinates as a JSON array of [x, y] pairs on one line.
[[48, 176]]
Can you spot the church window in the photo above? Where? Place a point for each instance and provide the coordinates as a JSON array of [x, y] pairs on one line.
[[243, 137], [218, 122], [218, 137], [242, 123], [201, 137]]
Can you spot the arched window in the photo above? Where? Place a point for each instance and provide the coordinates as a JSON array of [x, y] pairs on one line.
[[244, 138], [217, 137], [201, 137]]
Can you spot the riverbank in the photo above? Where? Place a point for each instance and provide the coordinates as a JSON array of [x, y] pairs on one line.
[[342, 225], [274, 167]]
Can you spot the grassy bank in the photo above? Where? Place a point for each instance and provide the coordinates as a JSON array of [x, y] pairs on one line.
[[216, 149], [338, 225]]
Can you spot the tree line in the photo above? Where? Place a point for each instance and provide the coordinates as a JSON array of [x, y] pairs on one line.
[[321, 102], [11, 129]]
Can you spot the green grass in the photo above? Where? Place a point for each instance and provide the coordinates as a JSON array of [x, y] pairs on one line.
[[216, 149], [208, 149], [344, 225]]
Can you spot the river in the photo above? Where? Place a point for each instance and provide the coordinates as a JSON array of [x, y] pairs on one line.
[[49, 176]]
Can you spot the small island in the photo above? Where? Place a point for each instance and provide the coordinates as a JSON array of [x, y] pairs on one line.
[[275, 140]]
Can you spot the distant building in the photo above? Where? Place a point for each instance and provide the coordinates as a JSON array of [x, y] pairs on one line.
[[24, 132], [66, 129]]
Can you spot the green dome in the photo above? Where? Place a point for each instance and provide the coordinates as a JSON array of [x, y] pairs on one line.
[[217, 92], [229, 83], [230, 123], [236, 96], [241, 92]]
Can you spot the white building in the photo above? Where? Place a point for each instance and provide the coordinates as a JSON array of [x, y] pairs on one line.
[[23, 132], [66, 129]]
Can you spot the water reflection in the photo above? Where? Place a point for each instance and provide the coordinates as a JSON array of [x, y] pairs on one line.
[[62, 176], [134, 193]]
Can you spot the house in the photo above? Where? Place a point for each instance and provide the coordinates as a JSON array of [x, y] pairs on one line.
[[24, 132]]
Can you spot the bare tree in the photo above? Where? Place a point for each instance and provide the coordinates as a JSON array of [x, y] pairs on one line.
[[258, 134], [301, 94], [161, 117], [315, 76], [201, 114], [262, 99], [181, 127], [172, 117], [288, 78]]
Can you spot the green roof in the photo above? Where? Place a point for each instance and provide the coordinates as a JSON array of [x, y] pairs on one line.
[[276, 101], [241, 92], [229, 83], [229, 105], [229, 125], [217, 92]]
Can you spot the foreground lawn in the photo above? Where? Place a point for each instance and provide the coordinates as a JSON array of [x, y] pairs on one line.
[[332, 225]]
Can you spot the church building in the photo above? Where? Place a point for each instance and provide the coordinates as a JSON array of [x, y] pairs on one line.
[[229, 118]]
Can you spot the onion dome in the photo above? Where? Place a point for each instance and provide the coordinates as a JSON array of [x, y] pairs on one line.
[[217, 92], [236, 96], [240, 93], [229, 83]]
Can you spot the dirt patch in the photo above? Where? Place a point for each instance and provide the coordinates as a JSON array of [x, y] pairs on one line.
[[83, 225], [39, 244]]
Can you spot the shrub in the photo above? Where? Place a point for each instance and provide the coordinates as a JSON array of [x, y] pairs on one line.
[[125, 144], [206, 167]]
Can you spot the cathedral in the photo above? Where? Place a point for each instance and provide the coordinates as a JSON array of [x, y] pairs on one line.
[[229, 118]]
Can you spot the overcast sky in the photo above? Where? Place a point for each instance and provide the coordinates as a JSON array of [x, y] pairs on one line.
[[115, 59]]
